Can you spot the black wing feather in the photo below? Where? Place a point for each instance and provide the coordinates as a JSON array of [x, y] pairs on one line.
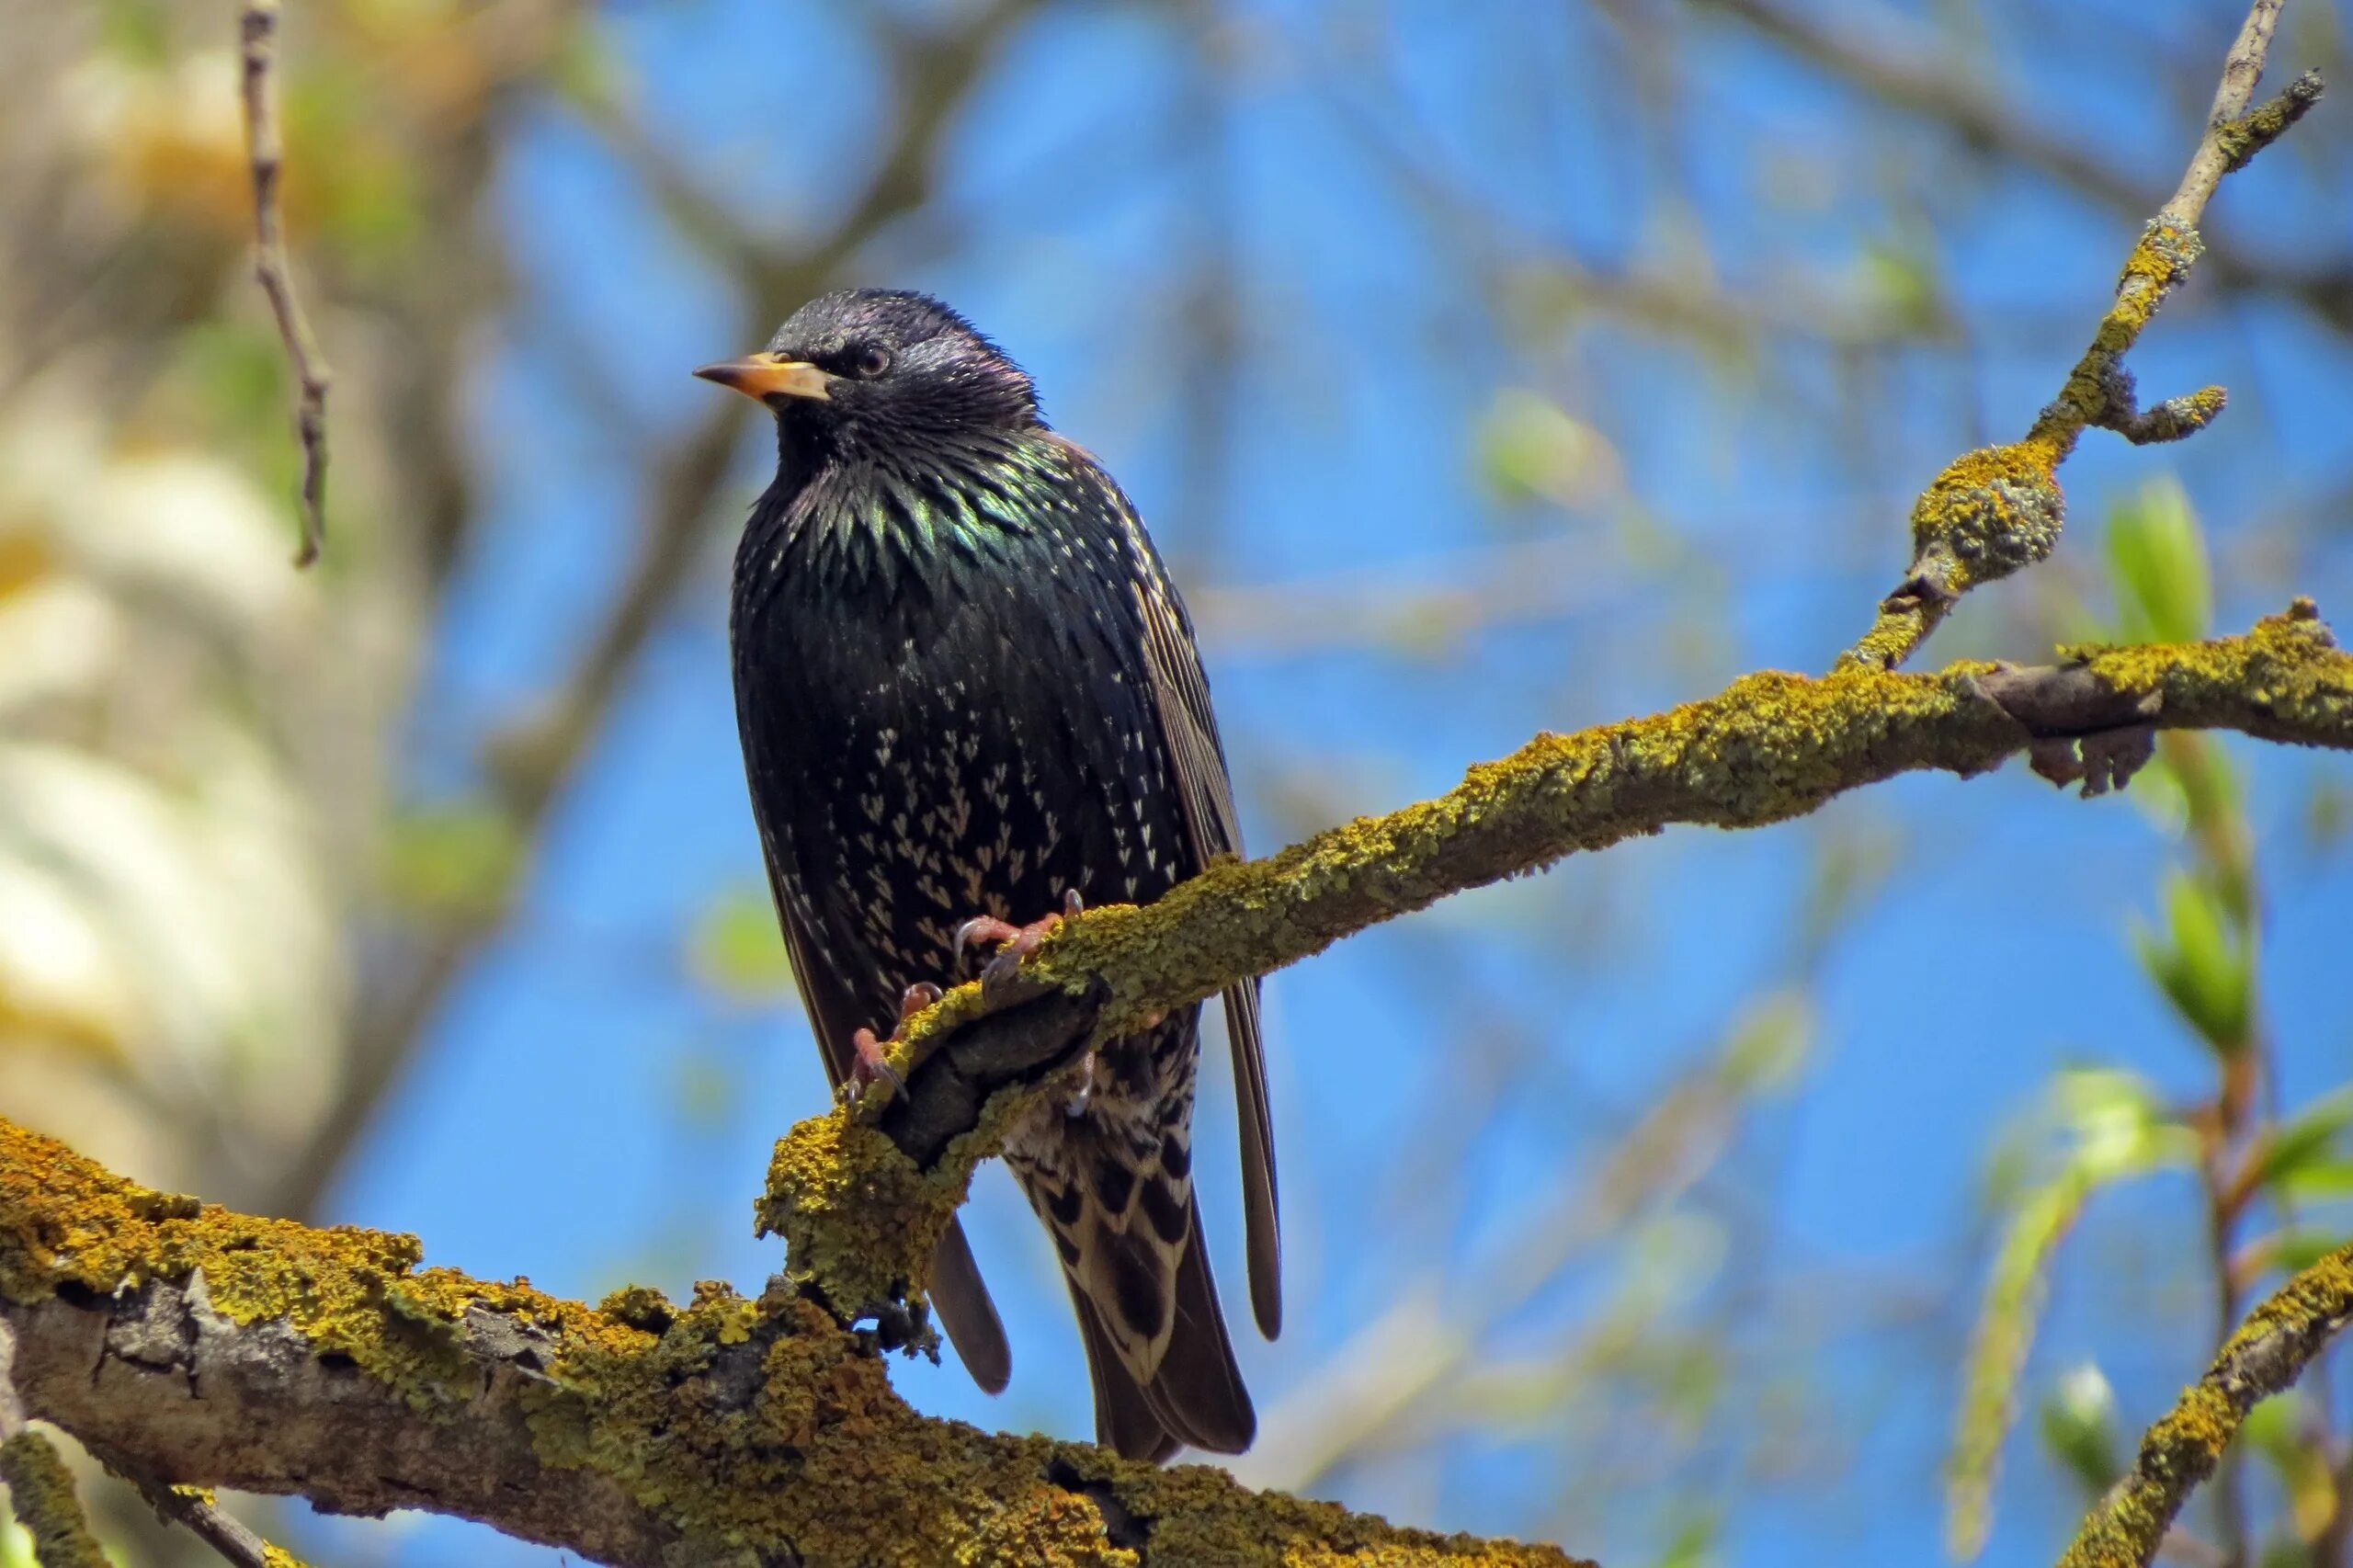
[[1188, 727]]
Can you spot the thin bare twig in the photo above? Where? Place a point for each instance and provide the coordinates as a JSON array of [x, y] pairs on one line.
[[257, 32]]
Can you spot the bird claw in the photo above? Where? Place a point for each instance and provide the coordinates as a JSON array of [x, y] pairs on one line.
[[868, 1064], [1014, 942]]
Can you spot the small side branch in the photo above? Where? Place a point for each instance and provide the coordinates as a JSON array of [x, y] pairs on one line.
[[2266, 1355], [196, 1508], [2000, 509], [257, 32], [2234, 132]]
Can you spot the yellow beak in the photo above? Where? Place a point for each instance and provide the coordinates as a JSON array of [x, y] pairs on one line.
[[767, 375]]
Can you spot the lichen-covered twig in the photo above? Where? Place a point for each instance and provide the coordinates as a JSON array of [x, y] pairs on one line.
[[2237, 131], [266, 151], [196, 1508], [861, 1194], [2266, 1355], [1998, 509], [230, 1349], [40, 1489]]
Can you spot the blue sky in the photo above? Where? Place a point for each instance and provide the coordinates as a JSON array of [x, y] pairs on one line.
[[587, 1114]]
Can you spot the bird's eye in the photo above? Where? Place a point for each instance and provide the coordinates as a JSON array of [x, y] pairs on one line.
[[870, 361]]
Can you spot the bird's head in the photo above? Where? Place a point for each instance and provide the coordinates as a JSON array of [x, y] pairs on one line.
[[876, 370]]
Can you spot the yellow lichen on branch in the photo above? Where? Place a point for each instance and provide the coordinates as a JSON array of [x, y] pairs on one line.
[[2266, 1355], [1769, 748], [40, 1494], [723, 1431], [1997, 509], [861, 1219]]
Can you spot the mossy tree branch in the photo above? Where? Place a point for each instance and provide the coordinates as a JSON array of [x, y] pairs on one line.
[[861, 1194], [2270, 1350], [224, 1349]]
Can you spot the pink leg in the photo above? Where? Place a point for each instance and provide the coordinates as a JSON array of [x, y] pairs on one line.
[[1015, 942], [868, 1064]]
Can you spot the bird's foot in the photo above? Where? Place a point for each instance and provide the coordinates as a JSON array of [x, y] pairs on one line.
[[1014, 942], [868, 1064]]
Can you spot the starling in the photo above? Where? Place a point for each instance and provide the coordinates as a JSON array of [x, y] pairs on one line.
[[967, 692]]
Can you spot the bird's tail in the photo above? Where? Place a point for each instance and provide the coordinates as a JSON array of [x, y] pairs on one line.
[[1130, 1236]]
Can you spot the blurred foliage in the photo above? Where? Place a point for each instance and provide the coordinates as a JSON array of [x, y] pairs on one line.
[[2079, 1425], [2201, 957], [2110, 1128], [1533, 450], [738, 949], [2201, 963], [451, 861], [2157, 556]]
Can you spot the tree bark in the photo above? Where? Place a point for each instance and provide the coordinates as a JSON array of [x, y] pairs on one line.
[[225, 1349]]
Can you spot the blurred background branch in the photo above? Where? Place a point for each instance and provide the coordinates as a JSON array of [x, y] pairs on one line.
[[257, 30]]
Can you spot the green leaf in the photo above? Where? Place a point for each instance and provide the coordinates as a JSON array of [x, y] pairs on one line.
[[2319, 1181], [2209, 788], [2118, 1131], [1997, 1353], [456, 860], [2328, 816], [1530, 449], [1694, 1543], [2079, 1424], [737, 950], [585, 68], [2199, 966], [139, 31], [2119, 1126], [2306, 1139], [2304, 1245], [2160, 795], [1770, 1040], [1899, 279], [2278, 1430], [2164, 592]]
